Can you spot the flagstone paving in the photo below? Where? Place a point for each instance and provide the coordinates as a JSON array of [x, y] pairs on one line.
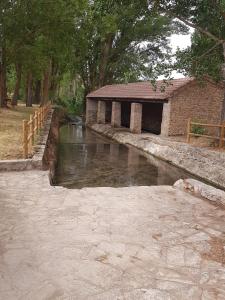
[[107, 243]]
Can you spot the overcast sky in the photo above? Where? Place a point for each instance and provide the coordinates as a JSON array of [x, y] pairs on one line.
[[182, 42]]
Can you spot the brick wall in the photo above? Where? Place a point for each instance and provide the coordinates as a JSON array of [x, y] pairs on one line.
[[202, 103]]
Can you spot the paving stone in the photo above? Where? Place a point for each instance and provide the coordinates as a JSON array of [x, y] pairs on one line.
[[107, 243]]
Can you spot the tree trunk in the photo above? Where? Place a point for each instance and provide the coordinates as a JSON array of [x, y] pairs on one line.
[[17, 85], [2, 98], [29, 90], [46, 83], [3, 92], [53, 90], [107, 46], [223, 73], [37, 92], [54, 80]]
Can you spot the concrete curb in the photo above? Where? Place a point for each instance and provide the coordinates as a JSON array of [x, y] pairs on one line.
[[202, 190], [37, 161]]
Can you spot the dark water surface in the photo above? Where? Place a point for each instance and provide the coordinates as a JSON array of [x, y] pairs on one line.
[[87, 159]]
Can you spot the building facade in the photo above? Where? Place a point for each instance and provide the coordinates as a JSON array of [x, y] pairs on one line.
[[161, 109]]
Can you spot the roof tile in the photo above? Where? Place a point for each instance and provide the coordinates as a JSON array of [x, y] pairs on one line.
[[140, 90]]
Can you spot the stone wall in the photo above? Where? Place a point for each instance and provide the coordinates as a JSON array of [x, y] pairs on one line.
[[50, 154], [91, 111], [201, 102]]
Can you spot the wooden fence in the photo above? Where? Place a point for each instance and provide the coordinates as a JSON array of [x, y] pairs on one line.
[[219, 137], [32, 127]]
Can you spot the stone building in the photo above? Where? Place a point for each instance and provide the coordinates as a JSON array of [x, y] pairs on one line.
[[161, 110]]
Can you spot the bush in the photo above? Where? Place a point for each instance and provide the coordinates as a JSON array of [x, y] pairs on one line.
[[73, 105], [197, 129]]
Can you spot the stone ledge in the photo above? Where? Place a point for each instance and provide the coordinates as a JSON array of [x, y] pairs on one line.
[[36, 162], [202, 190]]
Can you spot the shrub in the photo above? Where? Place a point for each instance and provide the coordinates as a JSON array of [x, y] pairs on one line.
[[73, 105], [197, 129]]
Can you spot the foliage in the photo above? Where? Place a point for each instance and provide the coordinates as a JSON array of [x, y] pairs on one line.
[[48, 45], [72, 102], [197, 129], [37, 36], [207, 17], [194, 61], [121, 41], [97, 42]]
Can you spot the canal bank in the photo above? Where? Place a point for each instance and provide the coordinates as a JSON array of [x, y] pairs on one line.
[[204, 163]]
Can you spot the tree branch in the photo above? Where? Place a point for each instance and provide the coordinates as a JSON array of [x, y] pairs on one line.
[[210, 50], [200, 29]]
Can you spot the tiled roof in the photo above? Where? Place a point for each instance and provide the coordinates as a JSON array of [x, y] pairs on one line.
[[140, 90]]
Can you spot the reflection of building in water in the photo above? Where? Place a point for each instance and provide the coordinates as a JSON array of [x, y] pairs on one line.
[[100, 148], [114, 152], [88, 135], [132, 161]]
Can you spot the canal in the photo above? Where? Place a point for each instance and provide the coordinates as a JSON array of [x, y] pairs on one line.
[[86, 159]]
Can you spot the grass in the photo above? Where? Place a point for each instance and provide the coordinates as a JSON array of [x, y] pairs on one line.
[[11, 130]]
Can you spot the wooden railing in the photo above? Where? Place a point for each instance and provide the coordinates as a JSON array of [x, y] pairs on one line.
[[32, 128], [219, 136]]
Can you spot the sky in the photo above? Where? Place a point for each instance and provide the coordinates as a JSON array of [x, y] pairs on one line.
[[181, 41]]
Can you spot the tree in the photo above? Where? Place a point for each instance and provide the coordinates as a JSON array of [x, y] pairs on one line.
[[207, 17], [4, 11], [118, 41], [35, 35]]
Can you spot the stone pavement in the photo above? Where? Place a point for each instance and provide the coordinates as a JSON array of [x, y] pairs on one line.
[[107, 243]]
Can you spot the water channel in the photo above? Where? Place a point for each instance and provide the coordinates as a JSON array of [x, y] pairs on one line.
[[87, 159]]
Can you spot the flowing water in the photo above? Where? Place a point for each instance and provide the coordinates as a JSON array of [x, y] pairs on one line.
[[87, 159]]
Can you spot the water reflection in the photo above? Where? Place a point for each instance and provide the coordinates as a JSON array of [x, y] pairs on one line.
[[87, 159]]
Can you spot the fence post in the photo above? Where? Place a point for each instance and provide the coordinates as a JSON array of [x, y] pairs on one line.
[[25, 138], [189, 131], [222, 132], [39, 119], [42, 119], [30, 142], [35, 122]]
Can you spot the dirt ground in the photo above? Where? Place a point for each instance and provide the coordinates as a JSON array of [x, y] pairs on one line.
[[11, 130]]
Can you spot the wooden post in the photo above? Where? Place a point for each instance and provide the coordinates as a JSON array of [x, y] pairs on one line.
[[222, 132], [39, 119], [42, 119], [189, 131], [36, 122], [25, 138], [31, 133]]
